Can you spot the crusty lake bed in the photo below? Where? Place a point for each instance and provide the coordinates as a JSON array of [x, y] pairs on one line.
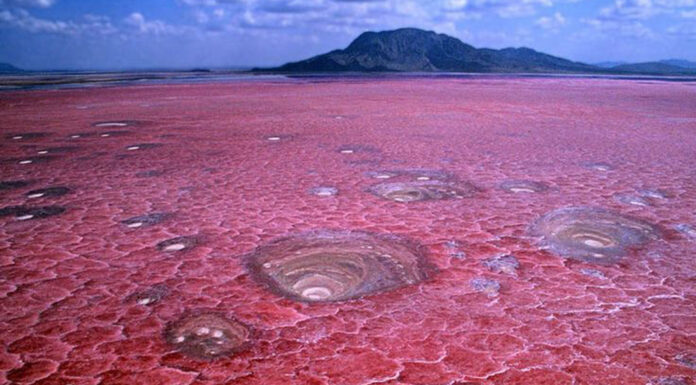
[[350, 231]]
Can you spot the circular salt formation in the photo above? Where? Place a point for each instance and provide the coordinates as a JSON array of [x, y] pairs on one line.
[[592, 234], [24, 213], [337, 265], [629, 199], [686, 359], [149, 296], [207, 336], [669, 381], [357, 148], [599, 166], [411, 174], [324, 191], [26, 135], [114, 133], [382, 175], [177, 244], [421, 191], [686, 229], [32, 160], [142, 146], [122, 123], [507, 264], [146, 220], [653, 194], [486, 286], [78, 135], [58, 150], [524, 186], [149, 174], [426, 174], [13, 184], [48, 192]]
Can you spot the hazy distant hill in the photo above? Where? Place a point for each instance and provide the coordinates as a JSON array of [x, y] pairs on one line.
[[6, 68], [657, 68], [609, 64], [415, 50], [649, 66], [680, 63]]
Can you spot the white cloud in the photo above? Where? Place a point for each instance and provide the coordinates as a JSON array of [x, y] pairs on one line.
[[23, 20], [28, 3], [629, 9], [423, 10], [200, 16], [643, 9], [687, 31], [199, 2], [137, 21], [632, 29], [676, 3], [627, 18], [503, 8], [551, 22], [345, 19]]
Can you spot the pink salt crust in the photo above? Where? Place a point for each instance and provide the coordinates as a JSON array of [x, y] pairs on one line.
[[67, 282]]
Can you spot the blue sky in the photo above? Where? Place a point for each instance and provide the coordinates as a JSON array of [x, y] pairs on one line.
[[136, 34]]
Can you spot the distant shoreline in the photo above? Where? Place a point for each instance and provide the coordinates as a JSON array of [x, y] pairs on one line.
[[67, 80]]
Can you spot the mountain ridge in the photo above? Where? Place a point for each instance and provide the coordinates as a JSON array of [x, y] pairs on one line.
[[7, 68], [416, 50]]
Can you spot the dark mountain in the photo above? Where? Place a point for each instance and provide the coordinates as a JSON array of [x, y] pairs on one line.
[[680, 63], [653, 68], [415, 50], [6, 68]]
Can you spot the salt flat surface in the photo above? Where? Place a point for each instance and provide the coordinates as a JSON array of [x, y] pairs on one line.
[[137, 224]]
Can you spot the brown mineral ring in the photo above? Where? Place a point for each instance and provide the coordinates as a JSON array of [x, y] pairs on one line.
[[324, 266], [207, 336], [592, 234]]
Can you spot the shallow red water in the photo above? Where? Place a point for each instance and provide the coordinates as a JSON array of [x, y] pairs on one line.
[[71, 284]]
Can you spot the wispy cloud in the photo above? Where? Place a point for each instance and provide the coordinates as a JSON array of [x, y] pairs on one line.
[[632, 29], [23, 20], [137, 22], [553, 22], [683, 30], [688, 14], [273, 31], [293, 6], [27, 3], [89, 24], [503, 8], [643, 9], [628, 18]]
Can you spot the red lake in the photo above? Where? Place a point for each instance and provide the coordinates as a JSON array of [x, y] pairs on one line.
[[426, 231]]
